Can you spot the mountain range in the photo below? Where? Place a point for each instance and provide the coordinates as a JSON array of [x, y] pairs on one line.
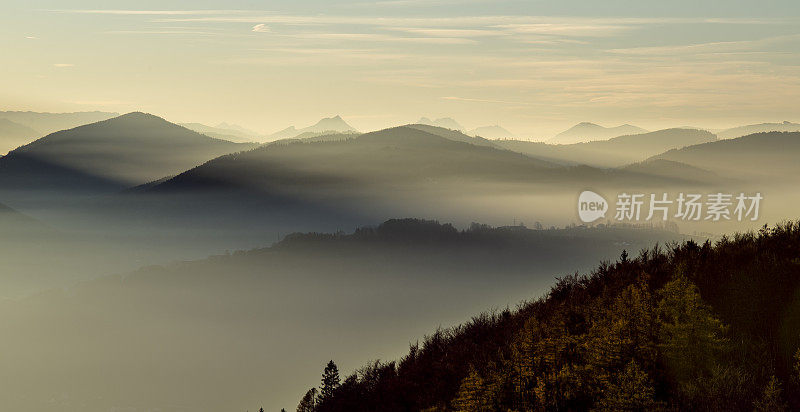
[[614, 152], [46, 123], [108, 155], [230, 133], [444, 122], [758, 128], [327, 125], [587, 132], [491, 132], [13, 135]]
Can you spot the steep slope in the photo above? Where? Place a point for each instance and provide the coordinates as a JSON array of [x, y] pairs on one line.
[[692, 327], [587, 132], [762, 157], [46, 123], [326, 125], [109, 155], [758, 128], [13, 135], [614, 152]]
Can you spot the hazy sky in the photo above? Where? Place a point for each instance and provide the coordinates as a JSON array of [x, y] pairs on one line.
[[534, 67]]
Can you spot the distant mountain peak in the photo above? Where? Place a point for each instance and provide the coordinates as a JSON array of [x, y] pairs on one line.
[[446, 122], [491, 132], [587, 131], [335, 124]]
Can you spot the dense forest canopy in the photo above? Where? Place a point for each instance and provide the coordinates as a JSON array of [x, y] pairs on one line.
[[686, 326]]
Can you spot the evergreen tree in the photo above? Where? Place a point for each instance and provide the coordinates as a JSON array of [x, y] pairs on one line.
[[330, 381], [309, 401]]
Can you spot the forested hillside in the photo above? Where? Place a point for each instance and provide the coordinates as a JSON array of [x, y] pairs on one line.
[[687, 326]]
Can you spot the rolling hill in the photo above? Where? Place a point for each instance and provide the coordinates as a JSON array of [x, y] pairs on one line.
[[230, 134], [13, 135], [587, 132], [109, 155], [615, 152], [758, 128], [46, 123], [760, 158], [395, 157]]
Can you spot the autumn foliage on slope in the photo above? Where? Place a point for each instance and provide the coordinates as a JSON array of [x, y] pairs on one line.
[[706, 327]]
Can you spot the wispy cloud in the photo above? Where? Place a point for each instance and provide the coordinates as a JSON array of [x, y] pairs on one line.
[[450, 32], [165, 32], [261, 28], [151, 12], [62, 65], [99, 103], [378, 37], [475, 100]]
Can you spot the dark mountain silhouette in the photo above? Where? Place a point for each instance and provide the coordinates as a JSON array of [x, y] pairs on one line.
[[586, 132], [109, 155], [614, 152], [758, 128], [13, 135], [327, 125], [687, 327], [491, 132], [395, 156], [46, 123], [444, 122], [762, 157]]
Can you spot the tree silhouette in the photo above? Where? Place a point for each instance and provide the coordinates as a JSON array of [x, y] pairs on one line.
[[330, 381], [309, 401]]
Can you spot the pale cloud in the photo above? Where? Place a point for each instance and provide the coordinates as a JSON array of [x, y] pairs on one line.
[[709, 47], [167, 32], [99, 103], [475, 100], [261, 28], [151, 12], [61, 65], [31, 37], [450, 32], [568, 29], [378, 37]]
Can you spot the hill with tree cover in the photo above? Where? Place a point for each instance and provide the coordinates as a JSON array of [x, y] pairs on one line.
[[686, 326]]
